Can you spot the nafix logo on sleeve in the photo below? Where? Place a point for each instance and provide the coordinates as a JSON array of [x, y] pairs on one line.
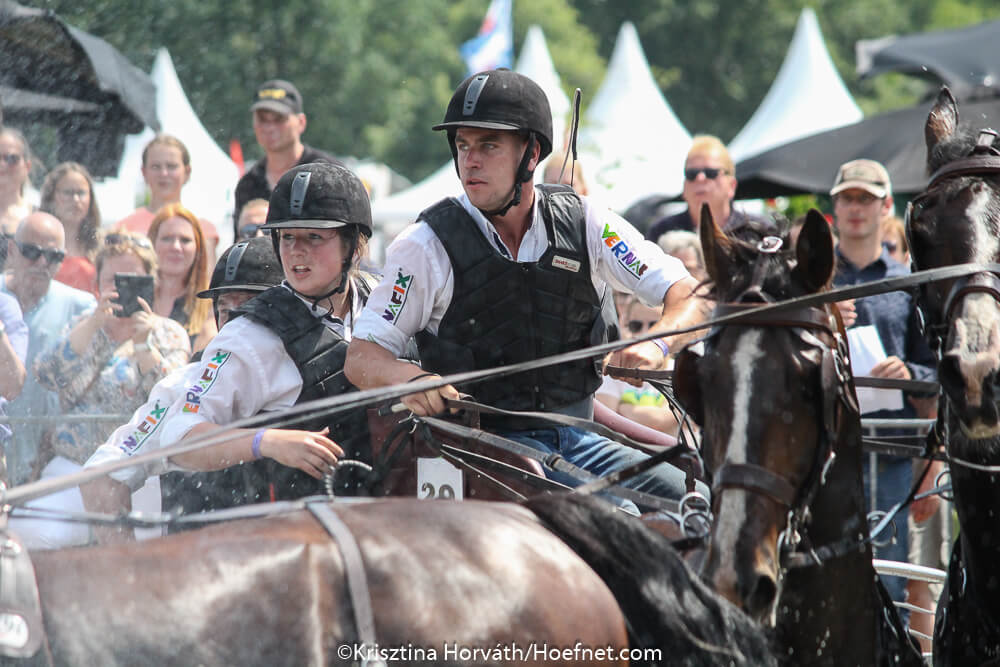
[[621, 250], [192, 400], [146, 428], [398, 298], [566, 263]]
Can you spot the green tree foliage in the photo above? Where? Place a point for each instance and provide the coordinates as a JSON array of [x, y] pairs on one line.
[[376, 75]]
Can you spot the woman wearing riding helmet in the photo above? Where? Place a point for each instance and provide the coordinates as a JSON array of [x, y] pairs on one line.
[[287, 346]]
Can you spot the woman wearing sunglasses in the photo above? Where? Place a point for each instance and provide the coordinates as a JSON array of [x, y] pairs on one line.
[[104, 363], [68, 194], [15, 165]]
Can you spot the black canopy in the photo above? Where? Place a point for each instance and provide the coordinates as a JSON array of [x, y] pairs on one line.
[[896, 139], [967, 60], [56, 75]]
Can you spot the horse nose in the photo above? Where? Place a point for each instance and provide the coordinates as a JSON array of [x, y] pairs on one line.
[[760, 597], [753, 589]]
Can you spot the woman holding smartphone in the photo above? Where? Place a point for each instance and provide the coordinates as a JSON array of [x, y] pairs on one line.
[[104, 363]]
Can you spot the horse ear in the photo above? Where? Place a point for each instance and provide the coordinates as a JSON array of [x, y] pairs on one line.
[[814, 252], [716, 247], [942, 120]]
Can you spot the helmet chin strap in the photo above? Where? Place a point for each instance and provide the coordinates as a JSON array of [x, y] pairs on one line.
[[345, 269], [522, 175]]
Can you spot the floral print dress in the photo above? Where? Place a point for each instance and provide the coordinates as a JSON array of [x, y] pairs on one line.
[[105, 380]]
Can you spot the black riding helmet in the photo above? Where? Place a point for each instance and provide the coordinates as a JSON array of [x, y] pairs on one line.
[[248, 265], [320, 195], [502, 100]]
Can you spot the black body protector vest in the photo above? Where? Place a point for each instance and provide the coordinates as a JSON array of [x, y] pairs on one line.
[[318, 353], [505, 312]]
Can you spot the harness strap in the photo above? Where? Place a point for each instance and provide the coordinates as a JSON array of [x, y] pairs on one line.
[[354, 569], [553, 461], [555, 418], [754, 478]]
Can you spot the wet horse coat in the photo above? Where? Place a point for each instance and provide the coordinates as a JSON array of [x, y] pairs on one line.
[[442, 575], [957, 221]]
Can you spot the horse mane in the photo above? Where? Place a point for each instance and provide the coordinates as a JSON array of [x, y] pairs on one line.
[[955, 147], [743, 240], [666, 605]]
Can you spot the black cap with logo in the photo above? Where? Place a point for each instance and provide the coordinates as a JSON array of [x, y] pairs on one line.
[[278, 96]]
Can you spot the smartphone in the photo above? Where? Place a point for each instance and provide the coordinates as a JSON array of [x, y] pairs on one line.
[[130, 286]]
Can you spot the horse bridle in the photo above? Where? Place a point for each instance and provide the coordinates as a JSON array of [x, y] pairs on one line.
[[983, 159], [837, 392]]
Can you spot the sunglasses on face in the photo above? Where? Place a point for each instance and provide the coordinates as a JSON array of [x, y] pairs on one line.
[[891, 246], [711, 173], [31, 252], [12, 159], [636, 326], [117, 238]]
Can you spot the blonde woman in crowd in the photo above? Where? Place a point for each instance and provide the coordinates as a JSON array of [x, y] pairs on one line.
[[103, 363], [180, 247]]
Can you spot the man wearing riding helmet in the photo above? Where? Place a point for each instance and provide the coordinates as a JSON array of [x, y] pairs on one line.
[[511, 272], [287, 346], [244, 270]]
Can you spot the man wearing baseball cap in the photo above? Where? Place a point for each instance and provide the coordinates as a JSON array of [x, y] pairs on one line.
[[278, 124], [862, 197]]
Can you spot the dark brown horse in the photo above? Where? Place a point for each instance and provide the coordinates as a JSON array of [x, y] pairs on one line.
[[445, 579], [957, 221], [781, 440]]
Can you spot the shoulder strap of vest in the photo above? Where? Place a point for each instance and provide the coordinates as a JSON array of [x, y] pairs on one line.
[[458, 233], [564, 214], [365, 283], [283, 313]]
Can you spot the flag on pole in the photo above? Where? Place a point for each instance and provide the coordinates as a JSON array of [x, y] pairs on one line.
[[494, 45]]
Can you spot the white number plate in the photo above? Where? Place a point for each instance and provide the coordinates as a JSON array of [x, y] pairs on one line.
[[436, 478]]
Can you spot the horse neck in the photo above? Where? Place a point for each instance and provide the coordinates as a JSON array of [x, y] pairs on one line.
[[834, 605], [975, 502]]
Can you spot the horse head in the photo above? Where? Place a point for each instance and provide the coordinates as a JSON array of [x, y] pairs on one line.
[[762, 391], [956, 221]]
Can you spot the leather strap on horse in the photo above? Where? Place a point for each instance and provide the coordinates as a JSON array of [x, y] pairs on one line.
[[553, 461], [354, 569], [754, 478]]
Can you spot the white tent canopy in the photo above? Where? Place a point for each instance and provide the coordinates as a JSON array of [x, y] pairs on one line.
[[209, 192], [631, 142], [807, 96], [391, 213]]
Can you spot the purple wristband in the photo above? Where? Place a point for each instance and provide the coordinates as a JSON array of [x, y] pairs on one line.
[[255, 447], [662, 344]]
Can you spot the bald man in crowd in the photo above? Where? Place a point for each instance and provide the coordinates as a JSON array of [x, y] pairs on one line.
[[33, 258]]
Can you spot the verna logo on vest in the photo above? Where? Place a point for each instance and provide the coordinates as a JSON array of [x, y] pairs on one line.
[[398, 298], [192, 401], [146, 427], [621, 250]]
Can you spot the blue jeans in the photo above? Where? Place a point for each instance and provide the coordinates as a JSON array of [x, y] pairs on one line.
[[600, 456], [893, 480]]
